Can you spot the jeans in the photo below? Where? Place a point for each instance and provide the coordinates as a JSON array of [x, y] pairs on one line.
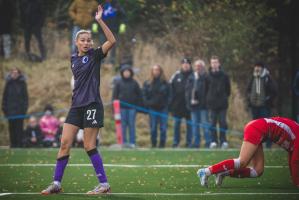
[[177, 130], [200, 120], [74, 32], [218, 116], [128, 117], [158, 119], [261, 112], [6, 41]]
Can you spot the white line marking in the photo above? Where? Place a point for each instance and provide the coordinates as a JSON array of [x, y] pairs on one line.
[[4, 194], [124, 165], [166, 194]]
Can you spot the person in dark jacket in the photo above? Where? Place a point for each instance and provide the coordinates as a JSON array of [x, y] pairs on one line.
[[178, 106], [32, 20], [32, 134], [6, 18], [218, 84], [156, 97], [127, 90], [296, 91], [196, 91], [15, 104], [261, 92]]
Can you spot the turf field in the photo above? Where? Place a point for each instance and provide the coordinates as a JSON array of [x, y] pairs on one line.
[[140, 174]]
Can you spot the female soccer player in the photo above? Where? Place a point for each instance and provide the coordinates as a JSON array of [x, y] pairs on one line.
[[281, 131], [87, 109]]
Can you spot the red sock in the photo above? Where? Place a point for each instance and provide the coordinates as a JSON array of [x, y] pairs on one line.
[[222, 166], [240, 173]]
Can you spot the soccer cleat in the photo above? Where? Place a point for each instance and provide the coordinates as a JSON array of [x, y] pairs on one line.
[[219, 179], [202, 177], [100, 189], [52, 189]]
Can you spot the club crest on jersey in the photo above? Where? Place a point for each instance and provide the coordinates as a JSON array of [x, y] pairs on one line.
[[85, 59]]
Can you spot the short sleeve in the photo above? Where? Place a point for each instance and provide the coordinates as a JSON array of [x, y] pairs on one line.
[[99, 55]]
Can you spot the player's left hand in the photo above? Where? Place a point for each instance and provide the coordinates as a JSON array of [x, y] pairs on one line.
[[99, 13]]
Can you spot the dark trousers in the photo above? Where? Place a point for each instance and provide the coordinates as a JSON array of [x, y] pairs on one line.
[[218, 117], [37, 32], [15, 132], [261, 112]]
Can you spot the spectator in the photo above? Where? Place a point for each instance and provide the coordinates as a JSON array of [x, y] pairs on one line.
[[6, 18], [127, 91], [33, 135], [156, 97], [15, 105], [178, 102], [81, 12], [32, 20], [114, 16], [296, 90], [217, 101], [196, 92], [261, 92], [49, 125]]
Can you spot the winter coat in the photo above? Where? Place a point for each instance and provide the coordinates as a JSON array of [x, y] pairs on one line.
[[15, 96], [178, 83], [261, 90], [32, 14], [6, 16], [49, 126], [33, 132], [127, 90], [113, 15], [218, 86], [156, 94], [82, 11], [196, 91]]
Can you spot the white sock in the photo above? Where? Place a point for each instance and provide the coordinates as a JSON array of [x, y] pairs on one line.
[[237, 163], [207, 171], [57, 183], [253, 173]]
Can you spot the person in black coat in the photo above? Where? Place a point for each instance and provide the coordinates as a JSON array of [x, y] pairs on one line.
[[127, 90], [15, 105], [156, 97], [32, 20], [217, 101], [261, 92], [178, 106], [32, 135], [196, 92]]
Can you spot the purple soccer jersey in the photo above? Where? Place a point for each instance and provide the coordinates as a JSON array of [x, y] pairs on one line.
[[86, 71]]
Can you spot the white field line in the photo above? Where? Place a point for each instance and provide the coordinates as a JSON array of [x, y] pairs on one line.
[[166, 194], [123, 165]]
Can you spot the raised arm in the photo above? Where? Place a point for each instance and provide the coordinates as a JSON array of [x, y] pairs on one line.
[[108, 34]]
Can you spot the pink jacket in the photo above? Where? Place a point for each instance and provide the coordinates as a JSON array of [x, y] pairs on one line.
[[49, 126]]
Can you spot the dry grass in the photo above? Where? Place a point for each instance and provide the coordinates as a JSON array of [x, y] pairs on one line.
[[49, 82]]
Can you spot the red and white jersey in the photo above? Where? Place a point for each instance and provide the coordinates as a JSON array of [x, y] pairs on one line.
[[281, 131]]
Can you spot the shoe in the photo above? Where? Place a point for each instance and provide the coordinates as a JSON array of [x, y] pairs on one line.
[[100, 189], [224, 145], [203, 177], [52, 189], [213, 145], [219, 179]]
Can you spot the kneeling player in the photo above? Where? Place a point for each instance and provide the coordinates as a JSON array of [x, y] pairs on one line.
[[281, 131]]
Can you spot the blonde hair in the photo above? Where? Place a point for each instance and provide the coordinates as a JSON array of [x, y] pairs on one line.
[[82, 31], [162, 74], [200, 62]]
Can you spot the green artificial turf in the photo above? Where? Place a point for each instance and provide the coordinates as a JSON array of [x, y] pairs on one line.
[[140, 174]]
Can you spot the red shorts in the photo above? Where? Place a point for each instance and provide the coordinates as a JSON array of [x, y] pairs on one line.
[[253, 131], [294, 163]]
